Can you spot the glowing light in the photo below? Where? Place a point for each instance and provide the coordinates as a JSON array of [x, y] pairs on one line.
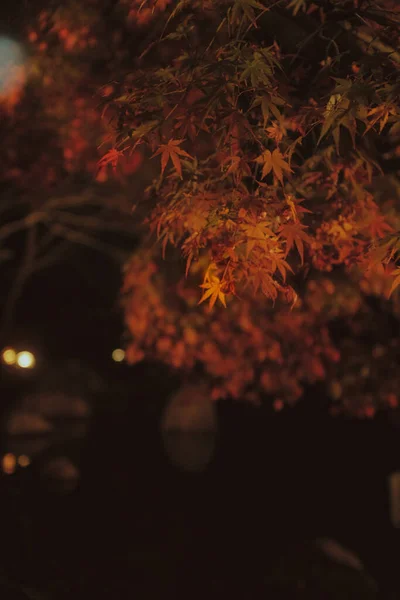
[[118, 355], [24, 461], [25, 360], [9, 356], [12, 72], [8, 463]]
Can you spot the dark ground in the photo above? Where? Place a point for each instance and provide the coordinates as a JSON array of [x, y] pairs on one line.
[[138, 527]]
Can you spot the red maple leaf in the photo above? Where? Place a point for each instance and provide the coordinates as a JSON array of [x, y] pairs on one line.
[[171, 151]]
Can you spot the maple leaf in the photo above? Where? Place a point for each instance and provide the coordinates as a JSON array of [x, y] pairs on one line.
[[379, 113], [273, 162], [276, 131], [186, 124], [384, 252], [255, 231], [213, 291], [278, 262], [213, 288], [294, 234], [295, 208], [246, 7], [258, 70], [111, 157], [238, 168], [292, 147], [335, 109], [190, 249], [269, 103], [172, 151], [263, 280]]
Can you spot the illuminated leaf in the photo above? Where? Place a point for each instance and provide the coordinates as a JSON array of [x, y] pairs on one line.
[[213, 292], [213, 288], [256, 231]]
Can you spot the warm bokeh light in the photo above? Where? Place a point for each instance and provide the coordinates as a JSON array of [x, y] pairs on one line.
[[9, 356], [24, 461], [118, 355], [8, 463], [25, 360]]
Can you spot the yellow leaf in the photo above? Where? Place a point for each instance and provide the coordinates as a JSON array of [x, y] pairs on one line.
[[213, 288], [256, 232]]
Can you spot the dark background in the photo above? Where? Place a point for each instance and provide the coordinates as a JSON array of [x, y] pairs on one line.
[[138, 525]]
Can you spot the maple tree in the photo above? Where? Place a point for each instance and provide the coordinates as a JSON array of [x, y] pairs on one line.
[[282, 200], [268, 132]]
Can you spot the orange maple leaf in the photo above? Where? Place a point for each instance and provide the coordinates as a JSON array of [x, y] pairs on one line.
[[273, 162], [294, 234], [262, 279], [256, 232], [380, 113], [278, 262], [295, 208], [172, 151], [213, 288]]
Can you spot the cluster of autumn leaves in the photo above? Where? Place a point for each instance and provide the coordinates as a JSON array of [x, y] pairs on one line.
[[264, 182], [274, 174], [233, 192]]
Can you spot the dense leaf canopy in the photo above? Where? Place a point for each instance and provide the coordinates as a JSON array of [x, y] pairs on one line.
[[269, 134], [276, 127]]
